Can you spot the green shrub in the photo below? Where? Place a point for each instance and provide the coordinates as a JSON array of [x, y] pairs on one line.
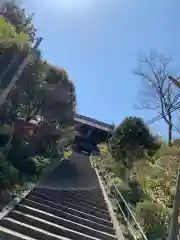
[[9, 176], [155, 219], [39, 163]]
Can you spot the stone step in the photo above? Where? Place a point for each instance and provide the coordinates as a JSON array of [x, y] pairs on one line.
[[89, 200], [73, 199], [89, 203], [6, 234], [46, 205], [85, 181], [93, 222], [88, 209], [94, 190], [90, 191], [60, 222], [67, 205], [51, 227], [92, 196], [61, 196], [28, 230], [81, 194]]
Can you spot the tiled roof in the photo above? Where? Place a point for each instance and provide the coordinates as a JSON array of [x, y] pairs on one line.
[[92, 122]]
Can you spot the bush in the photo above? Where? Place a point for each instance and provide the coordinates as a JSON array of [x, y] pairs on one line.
[[176, 142], [131, 140], [148, 187], [9, 176], [39, 163], [154, 218]]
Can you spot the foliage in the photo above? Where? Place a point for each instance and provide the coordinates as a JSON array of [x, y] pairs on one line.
[[67, 153], [13, 49], [40, 163], [176, 142], [27, 99], [131, 140], [37, 95], [17, 17], [43, 97], [158, 180], [9, 37], [154, 218], [149, 186], [9, 176]]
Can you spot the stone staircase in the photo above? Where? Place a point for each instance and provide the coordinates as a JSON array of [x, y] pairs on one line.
[[68, 204]]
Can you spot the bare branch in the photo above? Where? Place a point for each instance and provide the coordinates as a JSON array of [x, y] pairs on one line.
[[158, 92]]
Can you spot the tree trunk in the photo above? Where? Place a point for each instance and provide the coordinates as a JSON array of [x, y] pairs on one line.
[[170, 131]]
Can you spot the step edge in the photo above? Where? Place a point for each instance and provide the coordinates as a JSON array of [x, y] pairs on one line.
[[68, 221], [83, 219], [83, 207], [103, 211], [61, 205], [15, 234], [35, 228], [78, 198], [56, 226]]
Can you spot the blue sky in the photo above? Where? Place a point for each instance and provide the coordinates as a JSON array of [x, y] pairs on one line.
[[99, 42]]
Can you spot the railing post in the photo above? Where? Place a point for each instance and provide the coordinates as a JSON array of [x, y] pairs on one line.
[[174, 225]]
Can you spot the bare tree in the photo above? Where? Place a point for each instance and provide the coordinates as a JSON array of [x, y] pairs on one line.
[[158, 93]]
